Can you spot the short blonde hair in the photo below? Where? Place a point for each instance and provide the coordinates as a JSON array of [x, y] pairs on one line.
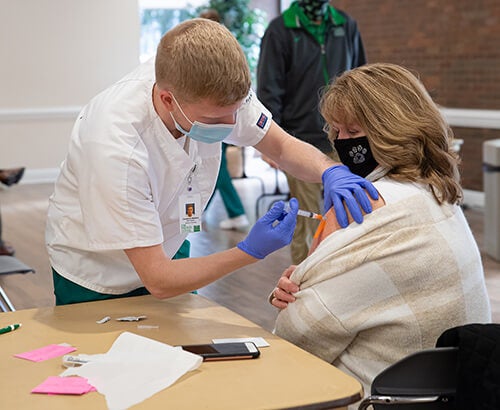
[[201, 59], [405, 129]]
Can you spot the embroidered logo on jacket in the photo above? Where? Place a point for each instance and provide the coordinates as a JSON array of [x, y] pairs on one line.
[[261, 123]]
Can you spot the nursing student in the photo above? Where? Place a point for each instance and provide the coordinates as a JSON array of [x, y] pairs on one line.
[[147, 146]]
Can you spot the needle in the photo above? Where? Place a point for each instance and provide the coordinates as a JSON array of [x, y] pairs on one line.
[[307, 214]]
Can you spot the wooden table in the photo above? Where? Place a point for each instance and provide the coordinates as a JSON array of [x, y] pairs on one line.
[[283, 377]]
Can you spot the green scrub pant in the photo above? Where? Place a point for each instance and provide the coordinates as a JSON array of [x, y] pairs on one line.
[[67, 292], [227, 191]]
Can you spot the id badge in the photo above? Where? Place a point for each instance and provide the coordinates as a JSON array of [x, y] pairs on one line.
[[190, 213]]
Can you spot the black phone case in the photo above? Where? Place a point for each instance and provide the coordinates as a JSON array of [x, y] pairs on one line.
[[222, 351]]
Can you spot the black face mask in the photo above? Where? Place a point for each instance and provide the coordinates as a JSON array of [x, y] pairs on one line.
[[356, 154], [314, 9]]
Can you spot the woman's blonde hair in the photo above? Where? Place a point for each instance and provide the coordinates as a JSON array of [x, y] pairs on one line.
[[200, 59], [407, 134]]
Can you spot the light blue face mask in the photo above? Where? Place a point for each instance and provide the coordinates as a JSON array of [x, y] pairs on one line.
[[208, 133]]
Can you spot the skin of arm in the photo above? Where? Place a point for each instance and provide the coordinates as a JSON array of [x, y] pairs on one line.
[[296, 157], [165, 278]]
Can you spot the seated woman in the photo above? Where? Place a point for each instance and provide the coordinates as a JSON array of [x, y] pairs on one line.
[[371, 294]]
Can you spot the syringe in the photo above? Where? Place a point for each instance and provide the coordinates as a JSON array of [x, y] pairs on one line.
[[307, 214]]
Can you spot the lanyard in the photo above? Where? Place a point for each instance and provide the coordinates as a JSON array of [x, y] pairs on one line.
[[190, 178]]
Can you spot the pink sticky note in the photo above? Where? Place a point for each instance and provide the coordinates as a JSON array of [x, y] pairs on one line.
[[64, 385], [45, 353]]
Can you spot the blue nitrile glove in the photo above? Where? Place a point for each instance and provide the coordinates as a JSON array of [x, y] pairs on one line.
[[341, 185], [271, 232]]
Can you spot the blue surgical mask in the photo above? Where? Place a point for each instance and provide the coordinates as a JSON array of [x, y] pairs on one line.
[[208, 133]]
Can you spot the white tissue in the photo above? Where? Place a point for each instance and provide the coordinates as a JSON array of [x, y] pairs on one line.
[[135, 368]]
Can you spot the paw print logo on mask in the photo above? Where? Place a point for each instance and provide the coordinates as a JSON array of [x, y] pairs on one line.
[[358, 154]]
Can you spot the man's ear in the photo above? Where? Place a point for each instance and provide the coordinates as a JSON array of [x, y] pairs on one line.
[[167, 99]]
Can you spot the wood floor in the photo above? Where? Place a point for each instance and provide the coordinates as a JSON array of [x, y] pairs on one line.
[[24, 208]]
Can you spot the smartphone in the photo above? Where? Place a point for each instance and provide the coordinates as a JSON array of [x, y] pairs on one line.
[[224, 351]]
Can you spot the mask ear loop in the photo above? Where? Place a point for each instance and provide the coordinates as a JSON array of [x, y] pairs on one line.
[[180, 108]]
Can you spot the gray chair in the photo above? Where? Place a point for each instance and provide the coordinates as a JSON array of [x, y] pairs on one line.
[[277, 193], [425, 380], [5, 303]]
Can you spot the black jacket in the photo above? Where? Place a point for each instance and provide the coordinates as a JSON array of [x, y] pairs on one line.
[[290, 74]]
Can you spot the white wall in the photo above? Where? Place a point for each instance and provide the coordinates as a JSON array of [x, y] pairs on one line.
[[55, 56]]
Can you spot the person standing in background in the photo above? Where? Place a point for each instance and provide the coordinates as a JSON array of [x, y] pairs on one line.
[[237, 218], [8, 177], [302, 50], [230, 198]]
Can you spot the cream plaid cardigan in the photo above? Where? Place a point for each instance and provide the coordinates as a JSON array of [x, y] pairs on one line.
[[372, 293]]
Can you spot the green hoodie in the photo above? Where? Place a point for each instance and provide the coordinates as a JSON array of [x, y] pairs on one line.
[[294, 17]]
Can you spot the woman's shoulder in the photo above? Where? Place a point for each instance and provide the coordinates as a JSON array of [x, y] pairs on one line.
[[394, 191], [329, 224], [400, 201]]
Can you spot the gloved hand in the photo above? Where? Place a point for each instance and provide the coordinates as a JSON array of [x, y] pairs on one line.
[[341, 185], [271, 232]]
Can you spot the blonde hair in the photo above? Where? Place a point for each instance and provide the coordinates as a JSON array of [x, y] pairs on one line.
[[407, 133], [199, 59]]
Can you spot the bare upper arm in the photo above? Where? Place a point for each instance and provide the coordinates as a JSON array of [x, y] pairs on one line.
[[293, 155], [271, 145], [330, 223]]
